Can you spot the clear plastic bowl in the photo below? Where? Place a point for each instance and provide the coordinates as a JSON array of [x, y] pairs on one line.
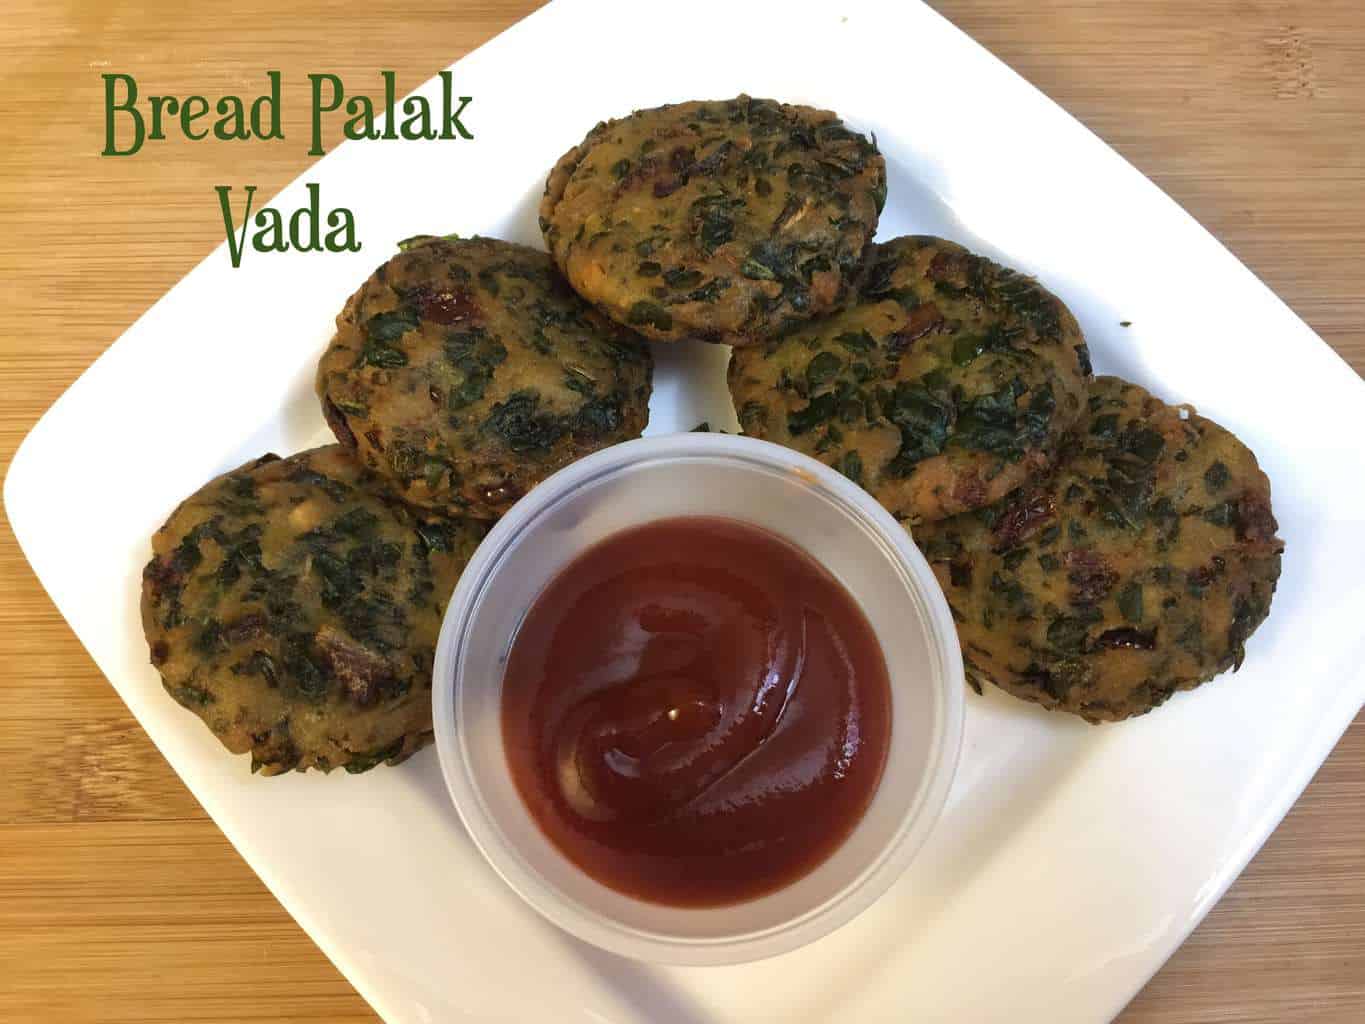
[[817, 509]]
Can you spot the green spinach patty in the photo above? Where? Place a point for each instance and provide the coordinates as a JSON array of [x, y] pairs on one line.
[[466, 371], [293, 605], [719, 220], [1138, 568], [946, 383]]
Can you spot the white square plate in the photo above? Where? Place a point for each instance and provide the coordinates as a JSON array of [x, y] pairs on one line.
[[1071, 860]]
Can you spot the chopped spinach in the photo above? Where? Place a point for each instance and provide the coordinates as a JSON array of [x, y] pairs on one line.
[[651, 314]]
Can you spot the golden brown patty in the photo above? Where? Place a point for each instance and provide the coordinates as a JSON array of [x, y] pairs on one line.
[[293, 605], [721, 220], [1139, 568], [467, 371], [946, 383]]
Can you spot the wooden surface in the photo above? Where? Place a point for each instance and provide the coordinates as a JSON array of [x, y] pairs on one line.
[[119, 899]]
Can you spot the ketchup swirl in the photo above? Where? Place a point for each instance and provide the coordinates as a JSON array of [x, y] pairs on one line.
[[695, 712]]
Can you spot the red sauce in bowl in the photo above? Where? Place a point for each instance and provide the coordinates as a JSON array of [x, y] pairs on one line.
[[695, 712]]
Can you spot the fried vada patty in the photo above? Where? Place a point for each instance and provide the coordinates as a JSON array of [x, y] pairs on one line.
[[293, 605], [467, 371], [946, 383], [1139, 568], [722, 220]]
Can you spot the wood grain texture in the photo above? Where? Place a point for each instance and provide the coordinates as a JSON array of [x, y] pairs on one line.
[[119, 899]]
